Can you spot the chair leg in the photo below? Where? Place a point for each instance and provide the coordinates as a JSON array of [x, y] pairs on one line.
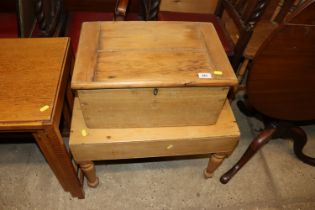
[[242, 71], [258, 142], [89, 172], [215, 161], [240, 75]]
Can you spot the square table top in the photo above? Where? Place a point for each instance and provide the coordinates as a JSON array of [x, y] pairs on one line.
[[30, 75], [150, 54]]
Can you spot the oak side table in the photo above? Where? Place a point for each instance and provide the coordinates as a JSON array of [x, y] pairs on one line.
[[34, 76]]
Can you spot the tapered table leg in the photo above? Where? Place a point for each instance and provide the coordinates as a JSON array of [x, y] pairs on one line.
[[58, 158]]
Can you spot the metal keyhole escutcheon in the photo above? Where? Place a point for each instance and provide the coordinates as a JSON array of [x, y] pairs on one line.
[[155, 91]]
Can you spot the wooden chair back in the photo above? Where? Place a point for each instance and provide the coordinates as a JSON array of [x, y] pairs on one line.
[[277, 10], [244, 15], [146, 9], [97, 5], [50, 17], [149, 9], [281, 81], [21, 18], [26, 17], [51, 13]]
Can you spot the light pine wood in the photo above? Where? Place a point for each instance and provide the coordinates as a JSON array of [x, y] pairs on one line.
[[103, 144], [34, 73], [114, 75], [160, 36], [89, 172], [151, 107], [157, 64], [191, 6], [218, 56], [86, 55], [149, 54], [215, 161]]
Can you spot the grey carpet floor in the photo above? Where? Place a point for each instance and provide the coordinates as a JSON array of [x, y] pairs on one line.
[[273, 179]]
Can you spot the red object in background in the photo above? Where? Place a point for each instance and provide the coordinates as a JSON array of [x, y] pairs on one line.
[[8, 25]]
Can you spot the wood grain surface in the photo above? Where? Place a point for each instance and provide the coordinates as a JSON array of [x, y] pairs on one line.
[[150, 54], [34, 75], [281, 81], [101, 144], [30, 72], [151, 107]]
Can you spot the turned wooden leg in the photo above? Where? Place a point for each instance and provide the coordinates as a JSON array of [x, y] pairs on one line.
[[215, 161], [89, 172], [258, 142]]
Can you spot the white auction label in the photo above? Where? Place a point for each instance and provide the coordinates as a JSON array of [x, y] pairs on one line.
[[204, 75]]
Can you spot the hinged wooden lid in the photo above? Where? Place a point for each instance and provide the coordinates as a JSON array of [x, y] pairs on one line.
[[150, 54]]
